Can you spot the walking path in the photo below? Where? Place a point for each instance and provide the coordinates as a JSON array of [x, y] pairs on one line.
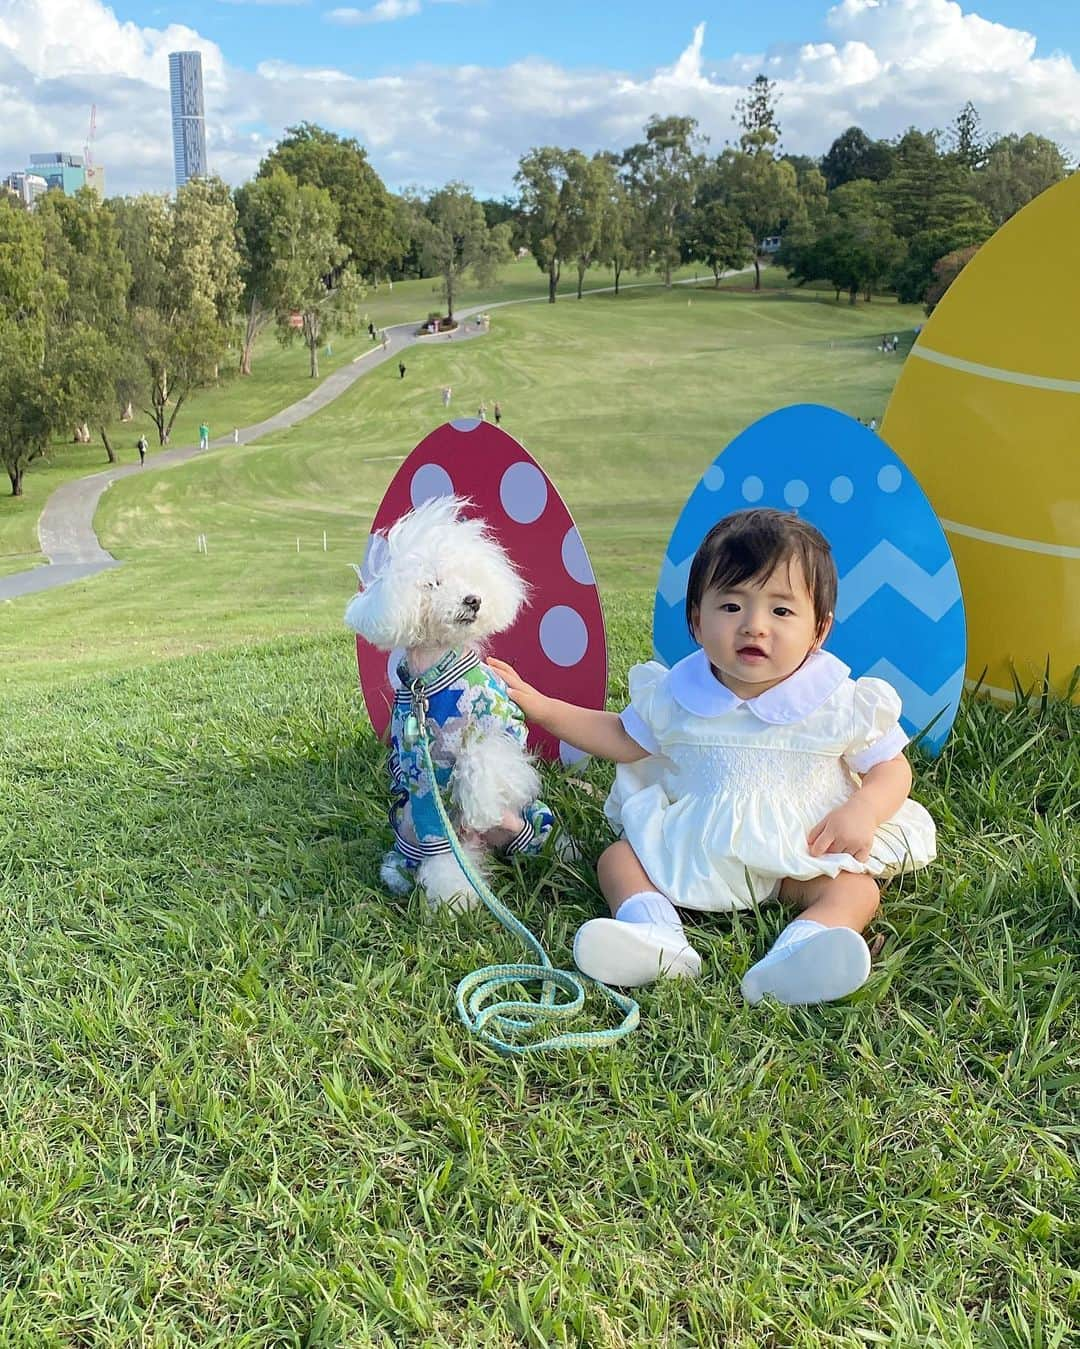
[[66, 525]]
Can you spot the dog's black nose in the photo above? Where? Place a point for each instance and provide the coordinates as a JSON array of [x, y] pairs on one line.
[[471, 602]]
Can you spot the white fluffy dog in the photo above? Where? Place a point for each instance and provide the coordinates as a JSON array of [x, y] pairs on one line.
[[432, 589]]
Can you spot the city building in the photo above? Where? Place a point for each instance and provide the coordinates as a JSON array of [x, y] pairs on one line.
[[95, 178], [26, 186], [188, 116], [66, 172]]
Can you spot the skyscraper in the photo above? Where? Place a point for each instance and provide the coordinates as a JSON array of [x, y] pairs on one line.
[[188, 119]]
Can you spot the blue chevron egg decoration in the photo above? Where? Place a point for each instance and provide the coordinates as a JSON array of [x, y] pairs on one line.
[[899, 613]]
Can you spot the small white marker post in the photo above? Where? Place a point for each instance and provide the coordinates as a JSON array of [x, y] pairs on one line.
[[324, 540], [236, 435], [200, 543], [298, 544]]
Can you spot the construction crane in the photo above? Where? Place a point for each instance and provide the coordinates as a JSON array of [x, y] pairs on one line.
[[88, 148]]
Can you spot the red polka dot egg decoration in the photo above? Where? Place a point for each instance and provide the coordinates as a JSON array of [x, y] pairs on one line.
[[558, 641]]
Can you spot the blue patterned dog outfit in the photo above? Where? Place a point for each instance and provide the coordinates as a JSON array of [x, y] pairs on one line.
[[463, 696]]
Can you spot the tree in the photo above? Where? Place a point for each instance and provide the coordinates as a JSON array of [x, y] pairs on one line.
[[720, 238], [1015, 171], [762, 191], [928, 192], [966, 143], [946, 270], [307, 274], [259, 203], [186, 285], [854, 155], [368, 225], [49, 367], [455, 239], [662, 173], [554, 188], [854, 247], [616, 228], [755, 113], [83, 250]]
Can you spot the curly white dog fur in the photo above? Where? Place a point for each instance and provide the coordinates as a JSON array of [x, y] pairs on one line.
[[433, 588]]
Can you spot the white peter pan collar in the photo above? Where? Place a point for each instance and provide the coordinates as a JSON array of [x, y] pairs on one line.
[[696, 689]]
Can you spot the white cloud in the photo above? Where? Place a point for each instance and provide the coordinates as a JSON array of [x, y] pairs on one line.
[[886, 64], [383, 12]]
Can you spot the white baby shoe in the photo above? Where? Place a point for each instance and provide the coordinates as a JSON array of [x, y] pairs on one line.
[[627, 955]]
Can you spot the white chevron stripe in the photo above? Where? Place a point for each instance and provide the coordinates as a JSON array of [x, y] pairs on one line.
[[673, 579], [885, 565], [920, 706]]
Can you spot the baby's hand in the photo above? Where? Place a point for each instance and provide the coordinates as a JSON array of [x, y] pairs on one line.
[[849, 828], [530, 700]]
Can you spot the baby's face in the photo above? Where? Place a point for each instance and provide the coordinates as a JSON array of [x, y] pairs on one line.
[[760, 632]]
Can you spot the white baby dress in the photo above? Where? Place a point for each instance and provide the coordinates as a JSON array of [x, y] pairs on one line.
[[719, 813]]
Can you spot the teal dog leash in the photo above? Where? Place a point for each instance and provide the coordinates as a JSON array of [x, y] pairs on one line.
[[511, 1018]]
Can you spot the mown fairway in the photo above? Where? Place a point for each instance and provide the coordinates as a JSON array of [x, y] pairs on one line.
[[623, 400], [238, 1107]]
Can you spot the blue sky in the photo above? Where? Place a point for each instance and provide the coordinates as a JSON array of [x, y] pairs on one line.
[[441, 89], [628, 34]]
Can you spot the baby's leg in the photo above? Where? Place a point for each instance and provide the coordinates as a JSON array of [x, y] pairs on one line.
[[644, 939], [821, 956]]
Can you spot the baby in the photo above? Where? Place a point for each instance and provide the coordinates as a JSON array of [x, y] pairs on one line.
[[755, 769]]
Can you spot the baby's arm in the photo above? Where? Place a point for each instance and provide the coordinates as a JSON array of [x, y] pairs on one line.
[[851, 827], [599, 733]]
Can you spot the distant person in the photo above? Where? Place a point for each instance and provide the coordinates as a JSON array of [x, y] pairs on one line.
[[385, 339], [497, 409], [447, 394], [371, 331], [482, 412], [142, 447], [204, 436], [401, 369], [873, 423]]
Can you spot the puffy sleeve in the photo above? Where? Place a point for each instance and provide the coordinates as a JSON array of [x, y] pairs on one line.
[[877, 735], [645, 720]]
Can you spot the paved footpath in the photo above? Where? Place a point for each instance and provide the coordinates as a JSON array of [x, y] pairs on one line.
[[66, 525]]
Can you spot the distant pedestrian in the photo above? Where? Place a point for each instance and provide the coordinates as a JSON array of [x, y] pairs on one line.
[[498, 412], [385, 339], [873, 423], [371, 331], [447, 394], [204, 436], [142, 447], [401, 369], [482, 412]]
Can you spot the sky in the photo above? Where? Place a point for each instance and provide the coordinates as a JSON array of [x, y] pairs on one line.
[[460, 89]]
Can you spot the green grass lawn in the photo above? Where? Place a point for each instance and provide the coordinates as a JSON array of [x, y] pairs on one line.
[[279, 377], [602, 392], [239, 1109]]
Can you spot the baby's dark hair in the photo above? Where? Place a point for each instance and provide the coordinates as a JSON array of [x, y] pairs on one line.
[[749, 545]]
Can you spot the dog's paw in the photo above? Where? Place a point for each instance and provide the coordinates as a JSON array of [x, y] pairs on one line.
[[445, 884], [396, 875]]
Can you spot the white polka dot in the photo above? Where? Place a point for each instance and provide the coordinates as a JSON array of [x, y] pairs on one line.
[[714, 478], [575, 559], [375, 557], [796, 492], [752, 489], [569, 754], [841, 490], [523, 492], [563, 635], [392, 662], [430, 481], [889, 478], [465, 423]]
